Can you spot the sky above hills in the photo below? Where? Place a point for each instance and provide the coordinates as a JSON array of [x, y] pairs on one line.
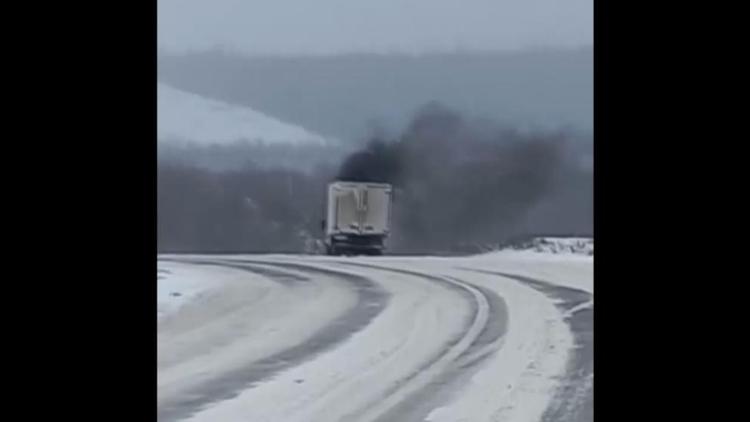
[[292, 27]]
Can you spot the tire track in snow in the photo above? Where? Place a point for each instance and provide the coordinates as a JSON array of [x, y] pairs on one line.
[[574, 399], [283, 277], [371, 300], [414, 396]]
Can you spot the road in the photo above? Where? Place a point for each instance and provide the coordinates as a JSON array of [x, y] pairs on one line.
[[504, 337]]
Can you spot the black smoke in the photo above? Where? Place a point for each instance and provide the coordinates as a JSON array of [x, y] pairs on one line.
[[378, 162], [460, 185]]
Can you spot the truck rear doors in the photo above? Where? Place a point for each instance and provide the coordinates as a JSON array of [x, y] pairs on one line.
[[359, 208]]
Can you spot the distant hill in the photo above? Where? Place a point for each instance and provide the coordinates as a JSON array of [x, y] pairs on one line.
[[344, 96], [187, 118]]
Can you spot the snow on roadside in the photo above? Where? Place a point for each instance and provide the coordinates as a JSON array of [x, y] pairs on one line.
[[574, 271], [567, 262], [177, 284], [557, 245]]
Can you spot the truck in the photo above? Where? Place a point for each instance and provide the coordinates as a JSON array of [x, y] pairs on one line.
[[358, 218]]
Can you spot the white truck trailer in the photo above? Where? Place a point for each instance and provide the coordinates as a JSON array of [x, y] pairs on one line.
[[358, 218]]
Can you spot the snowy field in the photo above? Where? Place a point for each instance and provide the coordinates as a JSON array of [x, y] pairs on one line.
[[505, 336], [188, 118]]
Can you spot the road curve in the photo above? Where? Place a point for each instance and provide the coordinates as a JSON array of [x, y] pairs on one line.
[[375, 339]]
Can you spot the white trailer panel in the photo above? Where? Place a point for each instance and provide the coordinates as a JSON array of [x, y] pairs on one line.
[[358, 214]]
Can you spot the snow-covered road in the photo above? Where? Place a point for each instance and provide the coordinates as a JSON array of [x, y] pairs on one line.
[[498, 337]]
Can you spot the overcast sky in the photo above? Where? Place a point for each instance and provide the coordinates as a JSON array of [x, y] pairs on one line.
[[336, 26]]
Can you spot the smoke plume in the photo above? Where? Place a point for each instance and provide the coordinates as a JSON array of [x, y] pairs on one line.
[[458, 184]]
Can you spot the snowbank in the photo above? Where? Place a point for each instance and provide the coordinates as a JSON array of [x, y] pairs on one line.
[[560, 245]]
